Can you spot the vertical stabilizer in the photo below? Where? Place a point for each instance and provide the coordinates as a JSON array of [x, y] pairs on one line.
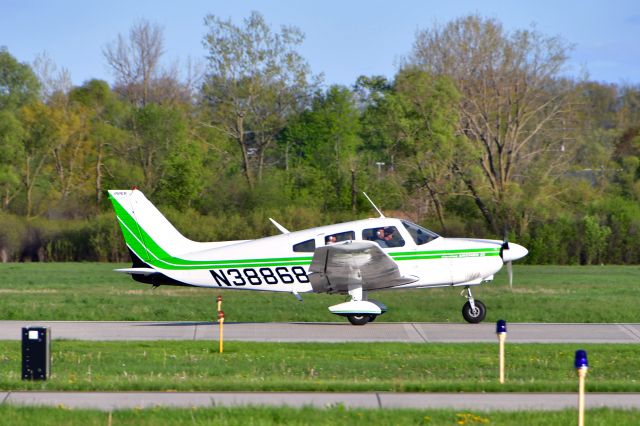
[[146, 231]]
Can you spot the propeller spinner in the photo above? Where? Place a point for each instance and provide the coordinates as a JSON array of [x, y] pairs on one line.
[[509, 253]]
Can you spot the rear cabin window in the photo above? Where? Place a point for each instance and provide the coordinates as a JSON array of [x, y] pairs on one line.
[[387, 236], [341, 236], [305, 246]]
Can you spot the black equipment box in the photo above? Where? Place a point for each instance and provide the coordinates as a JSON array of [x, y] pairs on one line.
[[36, 355]]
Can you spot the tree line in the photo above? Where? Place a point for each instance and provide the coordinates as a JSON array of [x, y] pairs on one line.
[[479, 133]]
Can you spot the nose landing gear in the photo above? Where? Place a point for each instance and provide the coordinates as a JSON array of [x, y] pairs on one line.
[[473, 311]]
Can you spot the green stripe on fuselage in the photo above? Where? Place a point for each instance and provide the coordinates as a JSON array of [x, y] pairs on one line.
[[141, 243], [446, 254]]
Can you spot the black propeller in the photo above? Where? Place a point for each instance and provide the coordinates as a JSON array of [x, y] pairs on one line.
[[505, 246]]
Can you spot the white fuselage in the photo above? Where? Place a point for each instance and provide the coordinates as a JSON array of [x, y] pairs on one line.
[[281, 262]]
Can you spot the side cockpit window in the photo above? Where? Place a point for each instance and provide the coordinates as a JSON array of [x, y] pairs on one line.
[[341, 236], [387, 236], [419, 234], [305, 246]]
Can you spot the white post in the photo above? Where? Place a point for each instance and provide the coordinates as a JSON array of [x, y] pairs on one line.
[[582, 365], [501, 331], [502, 337], [582, 374]]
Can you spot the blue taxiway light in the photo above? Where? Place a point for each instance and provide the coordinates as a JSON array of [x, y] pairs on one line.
[[581, 359]]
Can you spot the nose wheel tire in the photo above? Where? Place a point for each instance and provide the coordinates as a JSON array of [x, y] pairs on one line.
[[474, 316], [360, 319]]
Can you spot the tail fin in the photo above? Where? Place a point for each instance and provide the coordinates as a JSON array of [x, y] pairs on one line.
[[148, 234]]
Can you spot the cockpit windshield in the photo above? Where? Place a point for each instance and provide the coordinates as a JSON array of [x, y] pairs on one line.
[[419, 234]]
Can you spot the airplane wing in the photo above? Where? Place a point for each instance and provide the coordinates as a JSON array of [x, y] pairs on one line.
[[335, 268]]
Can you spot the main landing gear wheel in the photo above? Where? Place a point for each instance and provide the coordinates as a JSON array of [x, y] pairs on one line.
[[360, 319], [474, 316]]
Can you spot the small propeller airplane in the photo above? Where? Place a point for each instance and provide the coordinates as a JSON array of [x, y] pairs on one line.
[[352, 258]]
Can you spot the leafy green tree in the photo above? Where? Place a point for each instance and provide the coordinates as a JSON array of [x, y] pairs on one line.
[[628, 109], [19, 88], [256, 80], [595, 239], [512, 101], [156, 131], [11, 153], [600, 104], [106, 118], [18, 83], [12, 233], [320, 148], [411, 125], [428, 131], [382, 119], [70, 151], [183, 177], [623, 219], [40, 136]]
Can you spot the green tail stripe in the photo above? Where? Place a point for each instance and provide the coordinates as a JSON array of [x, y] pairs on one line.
[[147, 249], [129, 228]]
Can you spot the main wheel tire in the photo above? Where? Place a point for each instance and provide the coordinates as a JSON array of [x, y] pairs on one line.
[[471, 316], [358, 319]]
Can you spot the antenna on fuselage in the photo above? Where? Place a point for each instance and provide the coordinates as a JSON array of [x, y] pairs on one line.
[[280, 227], [374, 206]]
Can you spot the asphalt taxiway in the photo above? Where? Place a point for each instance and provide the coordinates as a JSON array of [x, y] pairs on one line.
[[325, 332], [108, 401], [330, 332]]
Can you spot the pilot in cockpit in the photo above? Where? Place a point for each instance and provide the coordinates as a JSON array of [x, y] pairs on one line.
[[381, 238], [388, 236]]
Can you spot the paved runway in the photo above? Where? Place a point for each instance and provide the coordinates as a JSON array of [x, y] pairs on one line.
[[330, 332], [464, 401]]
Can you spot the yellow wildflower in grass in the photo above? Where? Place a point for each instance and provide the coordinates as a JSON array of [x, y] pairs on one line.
[[469, 418]]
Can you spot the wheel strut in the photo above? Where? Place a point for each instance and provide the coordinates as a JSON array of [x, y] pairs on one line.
[[469, 297], [473, 311]]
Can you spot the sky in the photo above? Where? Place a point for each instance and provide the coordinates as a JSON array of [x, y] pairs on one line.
[[343, 39]]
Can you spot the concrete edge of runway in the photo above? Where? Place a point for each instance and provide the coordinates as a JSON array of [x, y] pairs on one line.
[[109, 401], [329, 332]]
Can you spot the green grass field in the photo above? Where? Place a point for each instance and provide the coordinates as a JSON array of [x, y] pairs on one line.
[[250, 366], [91, 291], [22, 416]]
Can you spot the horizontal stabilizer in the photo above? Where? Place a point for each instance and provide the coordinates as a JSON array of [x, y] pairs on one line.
[[137, 271]]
